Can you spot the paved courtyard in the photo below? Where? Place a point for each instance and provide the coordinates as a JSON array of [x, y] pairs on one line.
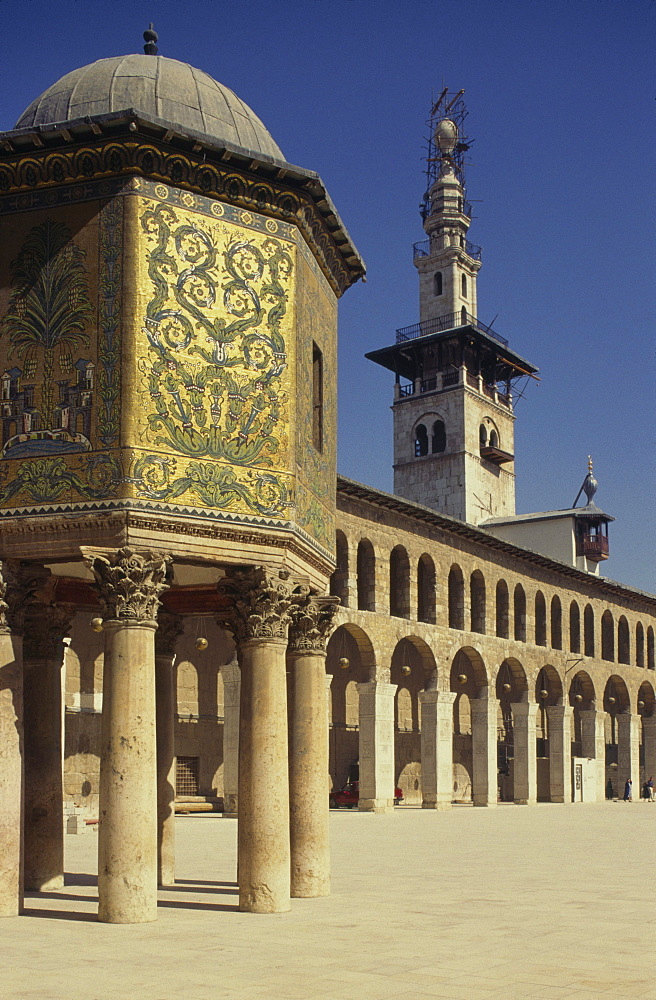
[[520, 903]]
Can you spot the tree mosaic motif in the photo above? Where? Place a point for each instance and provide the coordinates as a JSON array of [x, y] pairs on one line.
[[49, 309], [216, 349]]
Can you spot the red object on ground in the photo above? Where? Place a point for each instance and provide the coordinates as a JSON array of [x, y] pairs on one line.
[[349, 796]]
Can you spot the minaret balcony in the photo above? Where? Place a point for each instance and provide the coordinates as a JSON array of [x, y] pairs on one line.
[[427, 247], [440, 323], [593, 547]]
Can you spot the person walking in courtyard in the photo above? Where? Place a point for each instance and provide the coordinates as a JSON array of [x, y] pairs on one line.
[[628, 790], [650, 790]]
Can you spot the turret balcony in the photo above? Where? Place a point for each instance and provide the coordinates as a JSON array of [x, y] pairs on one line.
[[440, 323], [427, 247], [593, 547]]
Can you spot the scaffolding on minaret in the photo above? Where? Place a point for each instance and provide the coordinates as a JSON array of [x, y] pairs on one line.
[[448, 108]]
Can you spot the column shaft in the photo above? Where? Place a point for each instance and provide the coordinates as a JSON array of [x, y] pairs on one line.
[[437, 749], [593, 745], [165, 700], [649, 744], [308, 768], [484, 751], [524, 720], [231, 695], [127, 834], [628, 751], [11, 773], [263, 833], [376, 746], [560, 753]]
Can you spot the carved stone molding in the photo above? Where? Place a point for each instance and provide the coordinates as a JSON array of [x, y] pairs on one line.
[[19, 583], [259, 604], [130, 583], [45, 627], [169, 628], [312, 620]]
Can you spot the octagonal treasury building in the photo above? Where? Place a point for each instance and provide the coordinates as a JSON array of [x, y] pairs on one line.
[[173, 526]]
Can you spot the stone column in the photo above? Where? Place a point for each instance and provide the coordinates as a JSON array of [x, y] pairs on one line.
[[376, 746], [628, 752], [311, 621], [593, 745], [524, 728], [560, 752], [649, 744], [436, 748], [43, 657], [231, 694], [18, 583], [484, 751], [169, 628], [258, 617], [129, 586]]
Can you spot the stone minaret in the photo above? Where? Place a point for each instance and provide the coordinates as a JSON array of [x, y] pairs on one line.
[[453, 412]]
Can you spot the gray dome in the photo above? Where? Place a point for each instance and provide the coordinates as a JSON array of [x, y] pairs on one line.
[[158, 87]]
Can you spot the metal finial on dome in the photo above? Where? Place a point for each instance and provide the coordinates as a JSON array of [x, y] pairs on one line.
[[589, 486], [150, 38]]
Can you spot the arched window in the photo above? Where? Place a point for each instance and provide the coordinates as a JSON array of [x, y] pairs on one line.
[[494, 439], [520, 613], [366, 563], [556, 623], [477, 602], [421, 441], [437, 283], [339, 579], [464, 286], [607, 636], [426, 590], [650, 648], [503, 610], [623, 641], [640, 645], [463, 316], [588, 631], [482, 436], [438, 437], [399, 583], [456, 598], [574, 628], [540, 619]]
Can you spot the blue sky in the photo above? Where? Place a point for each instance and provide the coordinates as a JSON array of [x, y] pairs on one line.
[[561, 107]]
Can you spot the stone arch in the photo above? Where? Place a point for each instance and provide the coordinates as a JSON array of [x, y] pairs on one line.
[[623, 641], [399, 582], [351, 642], [616, 696], [519, 612], [540, 619], [187, 688], [477, 602], [650, 648], [574, 628], [607, 636], [420, 437], [469, 680], [511, 687], [646, 701], [366, 570], [588, 631], [582, 698], [339, 581], [639, 645], [426, 589], [548, 696], [456, 585], [556, 623], [548, 679], [348, 642], [413, 669], [616, 702], [502, 610]]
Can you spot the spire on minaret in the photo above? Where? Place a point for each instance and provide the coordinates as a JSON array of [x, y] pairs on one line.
[[150, 38], [589, 486]]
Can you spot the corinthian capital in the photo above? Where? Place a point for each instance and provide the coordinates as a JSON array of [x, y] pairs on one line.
[[169, 628], [45, 627], [312, 620], [19, 583], [130, 583], [258, 603]]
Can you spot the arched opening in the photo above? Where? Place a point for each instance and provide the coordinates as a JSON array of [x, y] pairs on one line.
[[456, 598], [463, 316], [647, 750], [464, 286], [477, 602], [469, 681], [421, 441], [426, 589], [615, 703], [482, 436], [511, 687], [519, 609], [339, 579], [413, 670], [650, 648], [502, 610], [556, 623], [438, 438], [607, 636], [494, 439], [574, 628], [584, 741], [540, 619], [366, 567], [588, 631], [437, 283], [640, 645], [350, 660], [623, 641], [548, 752], [399, 583]]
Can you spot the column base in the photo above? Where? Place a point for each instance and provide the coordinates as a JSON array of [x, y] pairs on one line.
[[261, 901], [525, 802], [436, 806], [376, 805], [310, 888], [487, 803], [557, 798]]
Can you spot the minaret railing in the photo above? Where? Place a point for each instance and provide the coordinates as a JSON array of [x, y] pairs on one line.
[[440, 323]]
